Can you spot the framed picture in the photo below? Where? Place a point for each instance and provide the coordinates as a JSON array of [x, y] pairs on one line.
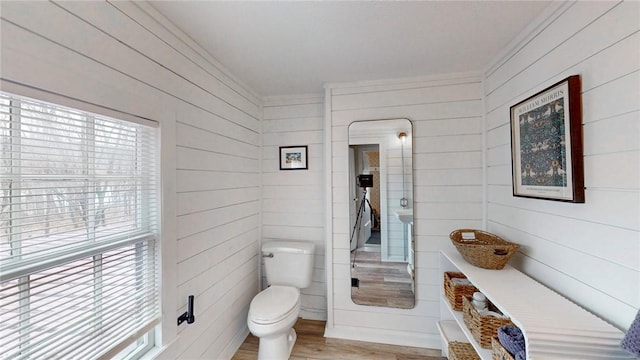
[[293, 158], [546, 144]]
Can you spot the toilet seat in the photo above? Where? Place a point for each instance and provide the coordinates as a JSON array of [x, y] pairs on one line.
[[274, 304]]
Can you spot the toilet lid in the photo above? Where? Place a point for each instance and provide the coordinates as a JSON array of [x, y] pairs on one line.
[[273, 304]]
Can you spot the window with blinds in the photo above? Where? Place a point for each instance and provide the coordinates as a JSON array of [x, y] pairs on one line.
[[78, 233]]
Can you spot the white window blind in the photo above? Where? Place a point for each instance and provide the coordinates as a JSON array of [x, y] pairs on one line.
[[78, 232]]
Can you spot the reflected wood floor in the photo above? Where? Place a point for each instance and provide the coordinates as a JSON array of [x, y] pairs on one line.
[[381, 283], [312, 345]]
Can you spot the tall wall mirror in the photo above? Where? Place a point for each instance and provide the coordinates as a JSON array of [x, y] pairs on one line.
[[381, 213]]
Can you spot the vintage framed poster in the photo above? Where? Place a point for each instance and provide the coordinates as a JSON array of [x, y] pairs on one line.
[[293, 158], [546, 144]]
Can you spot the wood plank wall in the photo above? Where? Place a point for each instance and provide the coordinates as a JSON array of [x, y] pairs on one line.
[[588, 252], [124, 56], [447, 152], [293, 200]]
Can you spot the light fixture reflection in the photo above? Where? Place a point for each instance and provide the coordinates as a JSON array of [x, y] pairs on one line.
[[403, 138]]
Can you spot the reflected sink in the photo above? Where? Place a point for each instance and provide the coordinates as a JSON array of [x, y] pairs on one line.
[[405, 215]]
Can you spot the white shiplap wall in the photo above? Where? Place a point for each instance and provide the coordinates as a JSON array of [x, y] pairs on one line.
[[447, 152], [588, 252], [124, 56], [293, 200]]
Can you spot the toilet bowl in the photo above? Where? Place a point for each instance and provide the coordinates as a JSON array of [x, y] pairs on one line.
[[272, 314]]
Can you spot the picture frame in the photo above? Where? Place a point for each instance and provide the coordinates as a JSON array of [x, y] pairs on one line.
[[546, 144], [293, 157]]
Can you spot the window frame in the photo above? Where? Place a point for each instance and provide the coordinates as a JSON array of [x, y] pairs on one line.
[[22, 269]]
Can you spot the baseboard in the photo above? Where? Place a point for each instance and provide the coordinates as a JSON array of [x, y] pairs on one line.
[[234, 344], [313, 315], [391, 337]]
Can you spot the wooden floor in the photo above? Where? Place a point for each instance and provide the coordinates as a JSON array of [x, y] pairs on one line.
[[380, 283], [312, 345]]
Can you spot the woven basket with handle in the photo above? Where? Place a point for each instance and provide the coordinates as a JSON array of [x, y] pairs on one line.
[[462, 351], [483, 249], [482, 327], [456, 292], [498, 352]]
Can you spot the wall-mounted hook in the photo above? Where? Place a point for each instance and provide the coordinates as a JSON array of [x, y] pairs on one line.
[[188, 316]]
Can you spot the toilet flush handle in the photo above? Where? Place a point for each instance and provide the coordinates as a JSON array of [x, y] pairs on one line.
[[269, 255]]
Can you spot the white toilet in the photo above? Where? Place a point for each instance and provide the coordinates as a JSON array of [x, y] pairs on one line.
[[274, 311]]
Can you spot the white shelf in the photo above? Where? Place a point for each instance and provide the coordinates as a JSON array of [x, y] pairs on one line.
[[450, 331], [462, 334], [553, 326]]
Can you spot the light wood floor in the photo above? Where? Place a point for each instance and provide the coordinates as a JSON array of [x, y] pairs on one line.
[[312, 345], [381, 283]]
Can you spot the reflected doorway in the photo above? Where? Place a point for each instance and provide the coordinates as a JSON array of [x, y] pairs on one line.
[[364, 189]]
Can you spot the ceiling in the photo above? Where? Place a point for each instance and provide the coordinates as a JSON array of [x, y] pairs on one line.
[[291, 47]]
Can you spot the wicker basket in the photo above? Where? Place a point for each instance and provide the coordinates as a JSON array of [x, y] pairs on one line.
[[498, 352], [485, 250], [455, 292], [482, 327], [462, 351]]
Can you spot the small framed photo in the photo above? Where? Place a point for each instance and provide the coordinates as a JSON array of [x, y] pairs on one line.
[[546, 144], [293, 158]]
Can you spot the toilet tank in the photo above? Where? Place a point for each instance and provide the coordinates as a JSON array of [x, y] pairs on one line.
[[291, 263]]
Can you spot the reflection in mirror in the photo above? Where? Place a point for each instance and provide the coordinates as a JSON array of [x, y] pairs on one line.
[[381, 213]]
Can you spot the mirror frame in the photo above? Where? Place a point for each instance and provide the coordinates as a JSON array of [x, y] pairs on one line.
[[379, 135]]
